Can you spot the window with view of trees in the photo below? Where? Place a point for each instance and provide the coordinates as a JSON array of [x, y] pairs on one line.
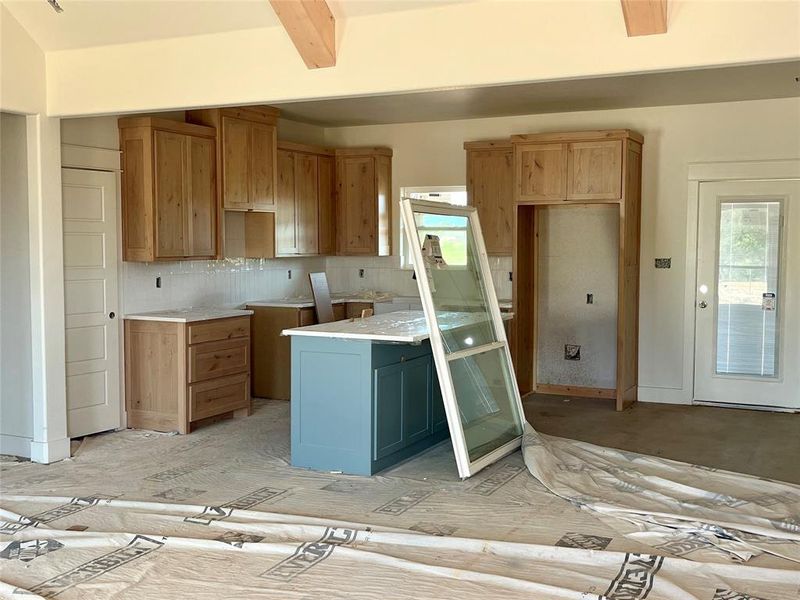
[[451, 230]]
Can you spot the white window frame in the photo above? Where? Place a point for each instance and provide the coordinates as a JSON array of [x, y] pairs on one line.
[[466, 467], [405, 192]]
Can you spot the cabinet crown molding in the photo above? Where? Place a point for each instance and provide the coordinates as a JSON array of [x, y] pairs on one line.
[[364, 151], [489, 145], [167, 125], [579, 136]]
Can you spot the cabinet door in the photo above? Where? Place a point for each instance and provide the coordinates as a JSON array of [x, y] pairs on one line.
[[356, 206], [235, 164], [307, 203], [327, 209], [388, 415], [417, 399], [490, 189], [595, 171], [541, 172], [286, 217], [202, 197], [263, 146], [170, 194]]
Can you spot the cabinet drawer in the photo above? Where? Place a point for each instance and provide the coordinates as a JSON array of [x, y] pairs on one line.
[[215, 359], [220, 329], [218, 396]]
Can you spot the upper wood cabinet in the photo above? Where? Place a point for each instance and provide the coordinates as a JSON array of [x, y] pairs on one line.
[[581, 166], [327, 206], [169, 208], [490, 189], [595, 170], [246, 153], [363, 201], [304, 213]]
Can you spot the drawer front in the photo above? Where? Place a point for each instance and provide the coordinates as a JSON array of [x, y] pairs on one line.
[[219, 396], [217, 359], [219, 329]]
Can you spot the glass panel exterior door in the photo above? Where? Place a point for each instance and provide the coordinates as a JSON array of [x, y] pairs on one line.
[[482, 402], [747, 306], [747, 288]]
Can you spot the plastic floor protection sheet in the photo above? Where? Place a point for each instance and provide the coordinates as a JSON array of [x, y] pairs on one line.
[[221, 514]]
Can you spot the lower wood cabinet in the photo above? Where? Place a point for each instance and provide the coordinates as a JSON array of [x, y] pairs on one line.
[[272, 352], [179, 374]]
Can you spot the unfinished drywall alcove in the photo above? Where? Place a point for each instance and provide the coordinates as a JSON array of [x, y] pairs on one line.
[[578, 254]]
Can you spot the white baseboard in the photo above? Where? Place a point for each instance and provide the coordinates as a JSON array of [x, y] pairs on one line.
[[15, 445], [664, 395], [51, 451]]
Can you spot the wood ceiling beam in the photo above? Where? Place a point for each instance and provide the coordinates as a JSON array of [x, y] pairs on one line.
[[645, 17], [312, 28]]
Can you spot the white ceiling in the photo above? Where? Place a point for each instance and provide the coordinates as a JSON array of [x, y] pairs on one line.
[[88, 23], [752, 82]]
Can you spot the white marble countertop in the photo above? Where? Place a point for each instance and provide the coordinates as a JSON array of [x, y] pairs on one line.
[[306, 302], [189, 315], [342, 297], [405, 326]]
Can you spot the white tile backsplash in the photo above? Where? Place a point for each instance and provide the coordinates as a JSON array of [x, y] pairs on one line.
[[384, 274], [221, 283], [231, 282]]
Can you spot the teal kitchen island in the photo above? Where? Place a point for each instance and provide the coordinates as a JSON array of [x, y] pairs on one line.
[[365, 394]]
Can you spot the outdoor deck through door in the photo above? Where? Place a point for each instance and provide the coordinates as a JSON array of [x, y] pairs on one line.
[[481, 399], [748, 294]]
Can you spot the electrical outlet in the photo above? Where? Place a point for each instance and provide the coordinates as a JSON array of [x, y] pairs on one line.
[[663, 263], [158, 281], [289, 274], [510, 276], [361, 273], [572, 352], [589, 298]]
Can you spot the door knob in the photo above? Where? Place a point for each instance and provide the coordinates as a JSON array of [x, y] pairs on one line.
[[702, 304], [111, 315]]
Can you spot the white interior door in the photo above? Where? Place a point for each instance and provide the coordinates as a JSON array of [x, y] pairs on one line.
[[747, 342], [90, 300]]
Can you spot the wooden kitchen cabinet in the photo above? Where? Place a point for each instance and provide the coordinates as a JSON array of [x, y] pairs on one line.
[[169, 208], [541, 172], [595, 170], [305, 209], [272, 352], [179, 374], [247, 154], [490, 189], [557, 167], [363, 201]]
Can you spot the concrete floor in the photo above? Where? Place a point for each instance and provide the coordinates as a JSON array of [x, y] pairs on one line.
[[760, 443]]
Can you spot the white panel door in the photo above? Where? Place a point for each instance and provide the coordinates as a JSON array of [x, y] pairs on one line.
[[90, 301], [747, 343]]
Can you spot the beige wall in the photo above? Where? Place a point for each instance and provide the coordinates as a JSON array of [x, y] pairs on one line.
[[463, 44], [22, 68], [16, 404], [432, 154]]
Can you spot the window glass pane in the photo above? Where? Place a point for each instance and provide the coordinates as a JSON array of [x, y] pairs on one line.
[[486, 403], [747, 288], [456, 286]]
